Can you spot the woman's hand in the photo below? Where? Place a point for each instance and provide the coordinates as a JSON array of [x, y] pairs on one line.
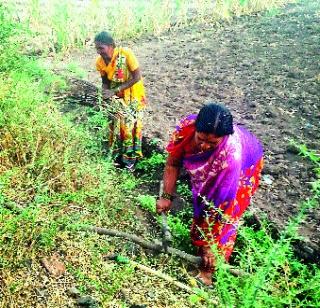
[[163, 205], [107, 93], [208, 258]]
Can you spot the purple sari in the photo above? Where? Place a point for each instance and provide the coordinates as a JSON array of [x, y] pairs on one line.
[[224, 178]]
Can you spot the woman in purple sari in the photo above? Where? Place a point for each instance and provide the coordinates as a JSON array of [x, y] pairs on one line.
[[224, 162]]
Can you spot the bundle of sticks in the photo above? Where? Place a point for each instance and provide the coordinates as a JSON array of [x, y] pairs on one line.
[[79, 91]]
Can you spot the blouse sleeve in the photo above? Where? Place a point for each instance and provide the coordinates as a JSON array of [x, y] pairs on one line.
[[182, 136], [175, 147]]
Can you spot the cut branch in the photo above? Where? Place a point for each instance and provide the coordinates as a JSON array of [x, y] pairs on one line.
[[157, 246]]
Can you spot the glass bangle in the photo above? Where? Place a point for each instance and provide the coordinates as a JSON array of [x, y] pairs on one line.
[[167, 196]]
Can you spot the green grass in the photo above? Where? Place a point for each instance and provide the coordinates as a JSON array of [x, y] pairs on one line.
[[276, 277], [53, 180]]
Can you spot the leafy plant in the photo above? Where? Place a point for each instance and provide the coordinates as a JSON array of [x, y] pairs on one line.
[[314, 157], [305, 152], [147, 202], [129, 183], [152, 163], [180, 232], [183, 190]]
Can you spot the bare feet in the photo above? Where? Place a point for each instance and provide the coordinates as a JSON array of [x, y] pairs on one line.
[[205, 277]]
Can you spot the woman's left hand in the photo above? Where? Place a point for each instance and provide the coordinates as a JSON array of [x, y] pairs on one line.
[[107, 93], [208, 258]]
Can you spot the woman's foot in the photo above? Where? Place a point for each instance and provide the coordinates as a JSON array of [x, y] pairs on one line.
[[205, 277], [130, 167]]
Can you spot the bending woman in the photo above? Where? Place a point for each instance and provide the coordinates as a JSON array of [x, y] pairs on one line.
[[121, 76], [224, 162]]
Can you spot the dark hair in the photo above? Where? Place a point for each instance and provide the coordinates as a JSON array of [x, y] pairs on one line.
[[105, 38], [214, 119]]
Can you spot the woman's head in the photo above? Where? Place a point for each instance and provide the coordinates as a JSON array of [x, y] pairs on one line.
[[104, 45], [213, 122], [214, 119]]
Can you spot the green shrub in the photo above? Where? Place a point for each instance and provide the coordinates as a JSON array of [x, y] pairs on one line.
[[152, 163], [147, 202]]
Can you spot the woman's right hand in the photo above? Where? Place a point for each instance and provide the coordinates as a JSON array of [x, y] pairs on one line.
[[163, 205]]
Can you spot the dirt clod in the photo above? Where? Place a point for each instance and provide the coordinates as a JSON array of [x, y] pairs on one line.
[[54, 265]]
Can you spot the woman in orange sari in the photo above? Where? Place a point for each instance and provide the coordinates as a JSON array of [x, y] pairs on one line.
[[121, 77]]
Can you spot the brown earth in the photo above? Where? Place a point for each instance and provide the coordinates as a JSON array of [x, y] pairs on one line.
[[266, 70]]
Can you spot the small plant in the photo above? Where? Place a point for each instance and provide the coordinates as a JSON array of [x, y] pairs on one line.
[[305, 152], [314, 157], [147, 202], [183, 190], [152, 163], [128, 183], [155, 141], [180, 232], [200, 296]]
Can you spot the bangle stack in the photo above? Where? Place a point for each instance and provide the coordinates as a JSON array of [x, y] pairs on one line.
[[167, 196]]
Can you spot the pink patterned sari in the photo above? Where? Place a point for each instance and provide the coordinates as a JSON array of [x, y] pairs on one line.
[[223, 181]]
